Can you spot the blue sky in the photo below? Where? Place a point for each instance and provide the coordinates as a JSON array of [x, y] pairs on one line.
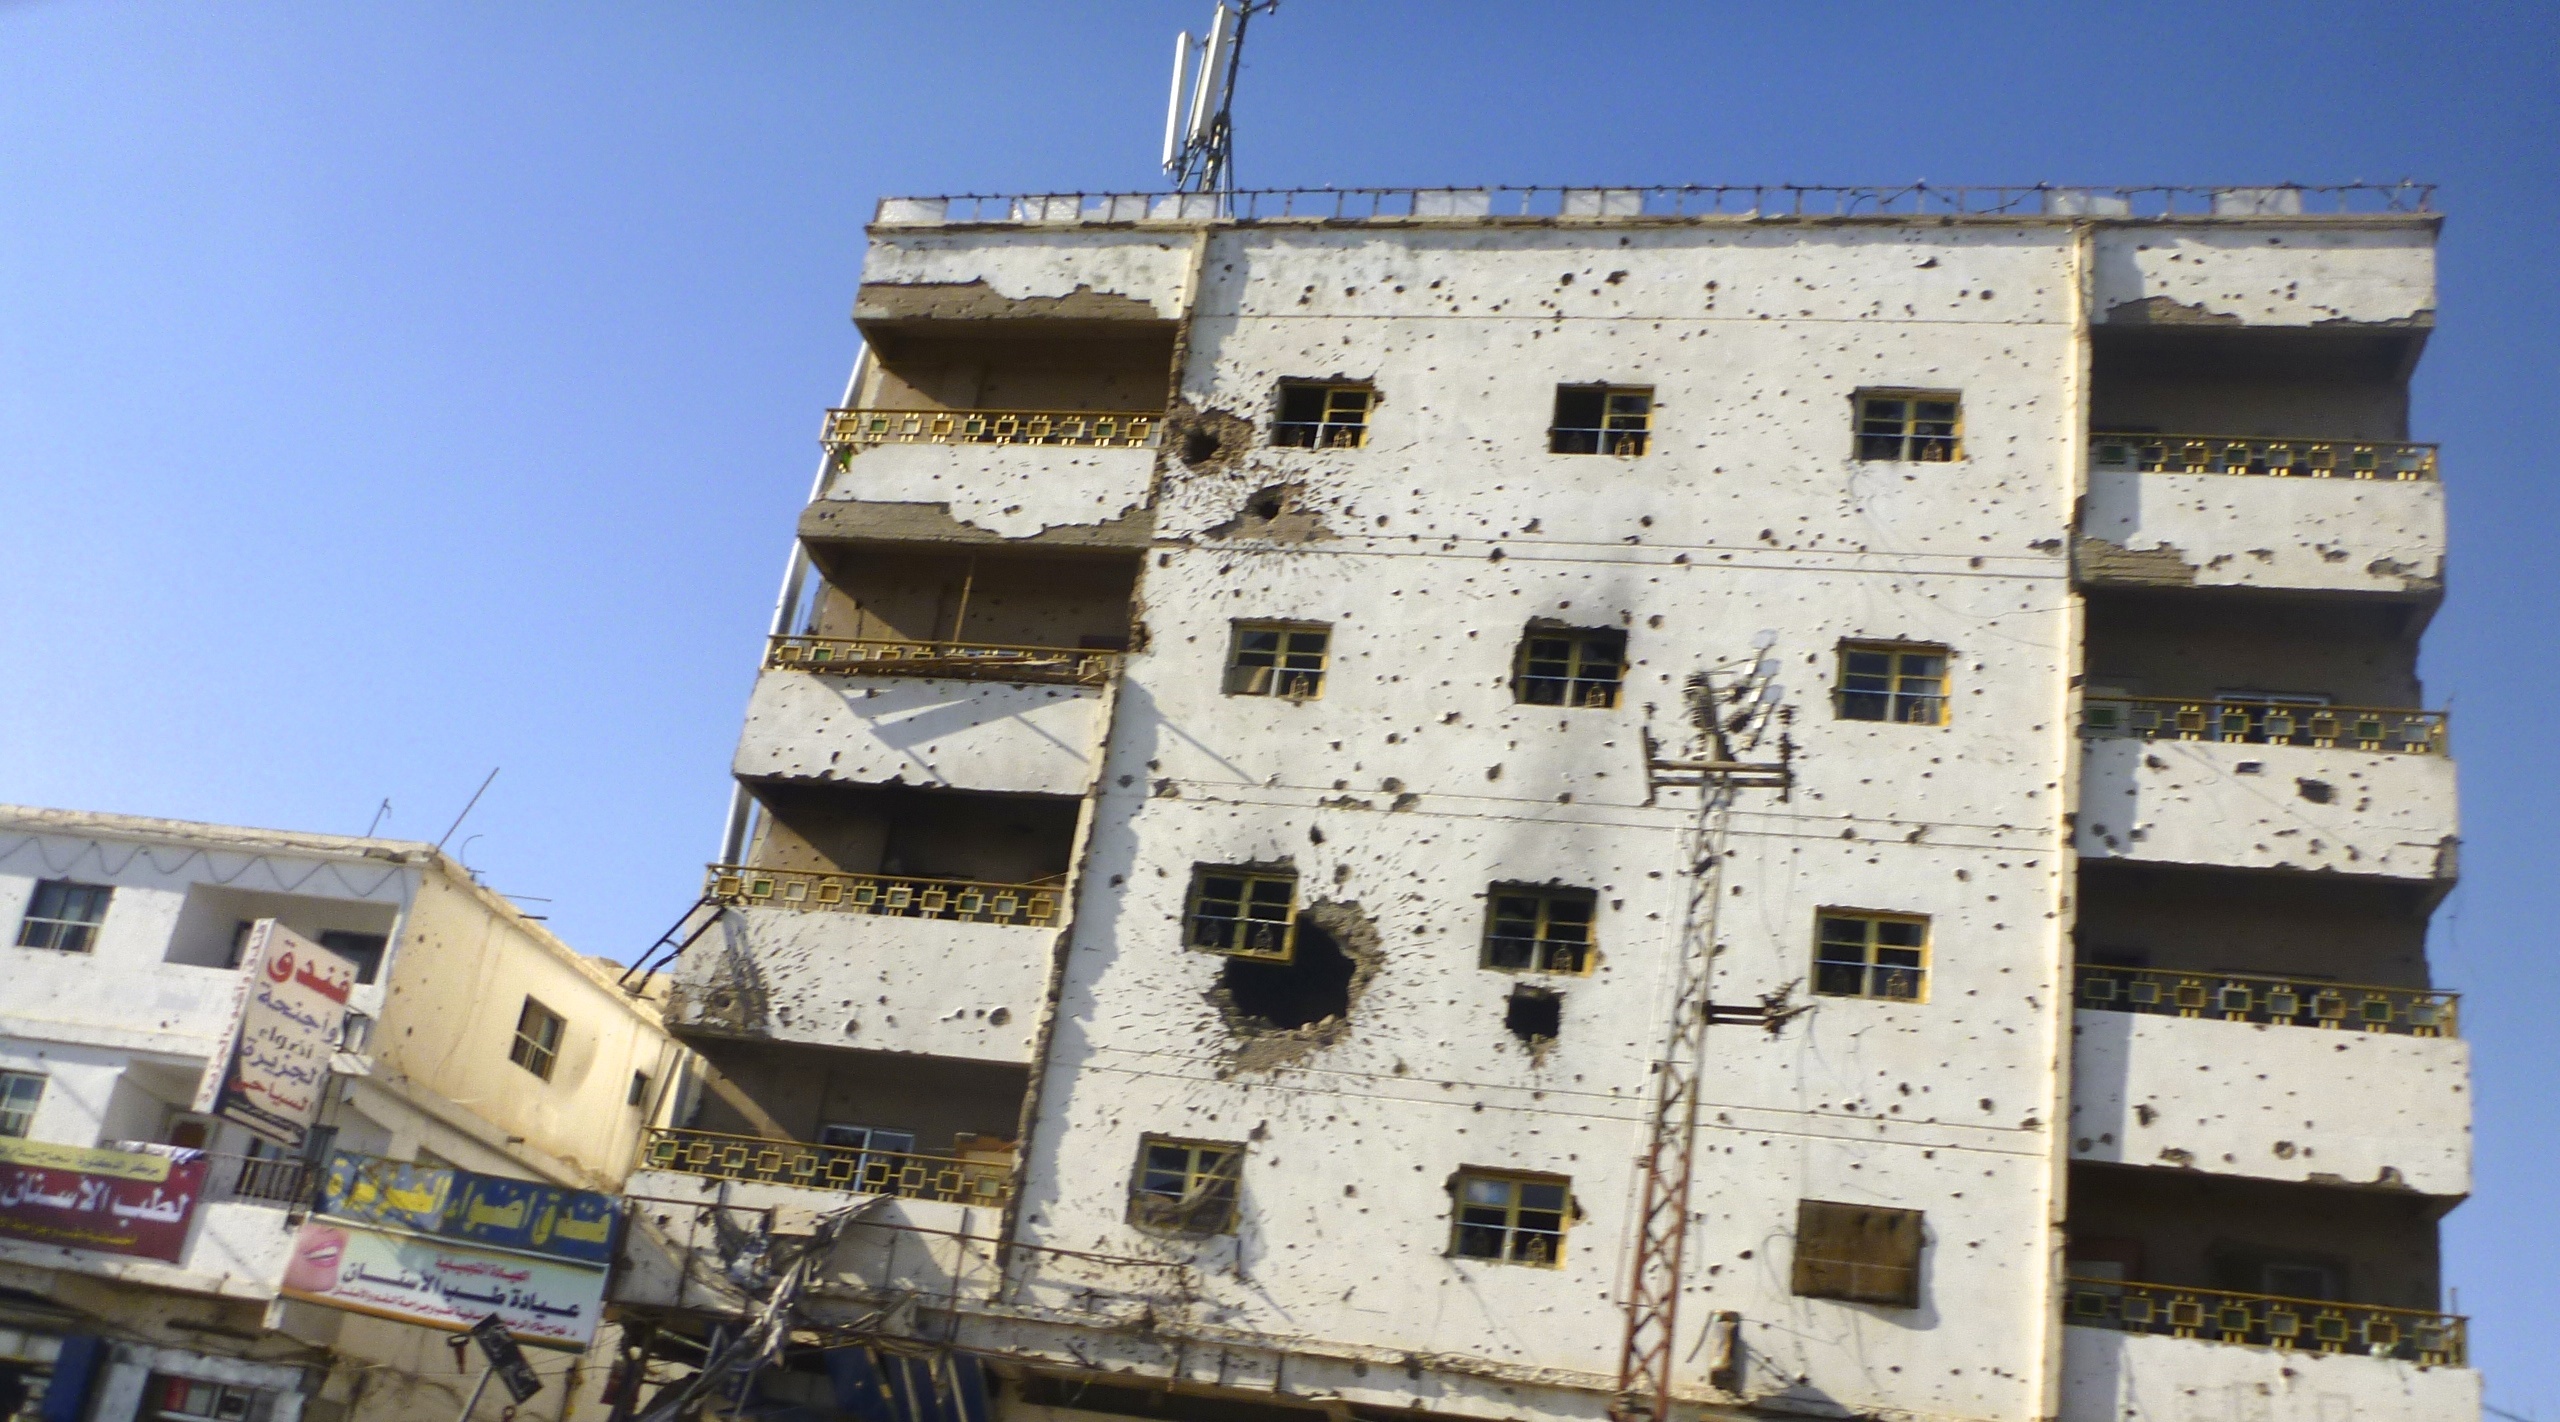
[[390, 392]]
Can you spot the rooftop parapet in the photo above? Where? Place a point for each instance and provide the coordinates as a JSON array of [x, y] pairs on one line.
[[1761, 202]]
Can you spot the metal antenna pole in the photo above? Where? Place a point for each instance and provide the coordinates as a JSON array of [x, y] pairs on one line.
[[1731, 720]]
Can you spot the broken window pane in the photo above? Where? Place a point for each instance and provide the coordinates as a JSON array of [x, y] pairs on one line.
[[1908, 427], [1186, 1186], [1249, 914], [1893, 681], [1861, 1253], [1544, 930], [1571, 667], [1518, 1219], [1278, 659], [1870, 954], [1318, 416], [1601, 419]]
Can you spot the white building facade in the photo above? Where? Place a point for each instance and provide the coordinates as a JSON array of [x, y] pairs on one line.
[[122, 963], [1212, 900]]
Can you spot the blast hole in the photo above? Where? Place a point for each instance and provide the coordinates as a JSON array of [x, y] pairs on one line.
[[1199, 447], [1535, 1015], [1315, 985]]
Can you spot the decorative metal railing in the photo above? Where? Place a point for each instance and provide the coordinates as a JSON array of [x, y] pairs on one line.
[[2280, 458], [1763, 200], [1095, 429], [2281, 1002], [2243, 721], [971, 661], [2267, 1320], [289, 1181], [888, 895], [825, 1167]]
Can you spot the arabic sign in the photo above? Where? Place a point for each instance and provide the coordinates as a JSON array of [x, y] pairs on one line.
[[442, 1284], [475, 1209], [288, 1009], [109, 1201]]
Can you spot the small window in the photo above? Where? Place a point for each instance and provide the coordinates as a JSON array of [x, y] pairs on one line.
[[362, 949], [1580, 666], [1601, 419], [1893, 681], [1186, 1187], [1244, 913], [19, 1093], [537, 1045], [639, 1089], [1316, 416], [64, 916], [1871, 955], [1908, 425], [1538, 930], [1278, 659], [1518, 1219], [879, 1150], [1861, 1253]]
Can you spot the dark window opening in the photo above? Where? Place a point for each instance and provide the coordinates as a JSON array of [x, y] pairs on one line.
[[1246, 913], [1601, 419], [1539, 930], [1860, 1253], [639, 1089], [1310, 987], [1907, 427], [1317, 416], [64, 916], [362, 949], [1534, 1015], [1284, 659], [1518, 1219], [1571, 666]]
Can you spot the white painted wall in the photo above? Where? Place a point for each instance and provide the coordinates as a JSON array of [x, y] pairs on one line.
[[829, 979], [2274, 274], [2199, 802], [2134, 1377], [970, 735], [2249, 531], [1145, 266], [2272, 1103]]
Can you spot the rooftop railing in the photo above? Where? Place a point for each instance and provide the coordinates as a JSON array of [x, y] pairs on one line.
[[1759, 200], [851, 1169], [2268, 1320], [2282, 1002], [1087, 429], [887, 895], [966, 661], [2398, 461], [2247, 721]]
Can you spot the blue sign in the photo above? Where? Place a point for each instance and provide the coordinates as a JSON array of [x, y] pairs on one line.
[[477, 1209]]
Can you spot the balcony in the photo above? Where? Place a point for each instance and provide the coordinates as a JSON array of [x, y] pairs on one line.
[[853, 429], [2270, 804], [2243, 720], [2271, 1078], [962, 661], [2112, 1375], [2322, 516], [985, 1181], [887, 895], [2266, 1321]]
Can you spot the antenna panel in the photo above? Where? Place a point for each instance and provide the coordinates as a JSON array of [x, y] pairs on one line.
[[1173, 114], [1208, 96]]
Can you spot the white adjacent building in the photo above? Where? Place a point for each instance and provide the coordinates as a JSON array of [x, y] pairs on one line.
[[474, 1040], [1202, 928]]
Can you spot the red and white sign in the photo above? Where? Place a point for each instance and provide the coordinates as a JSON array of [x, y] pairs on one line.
[[290, 1007], [106, 1201]]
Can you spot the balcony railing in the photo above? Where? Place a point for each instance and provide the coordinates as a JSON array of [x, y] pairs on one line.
[[289, 1181], [824, 1167], [888, 895], [1090, 429], [2243, 721], [970, 661], [2281, 458], [2267, 1321], [2281, 1002]]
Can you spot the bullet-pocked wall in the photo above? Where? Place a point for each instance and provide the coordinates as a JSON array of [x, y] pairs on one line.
[[1413, 778]]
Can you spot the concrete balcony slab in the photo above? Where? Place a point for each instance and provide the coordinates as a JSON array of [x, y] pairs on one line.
[[1007, 491], [935, 731], [2242, 806], [2308, 1104], [2109, 1376], [833, 977], [2156, 529], [671, 1252]]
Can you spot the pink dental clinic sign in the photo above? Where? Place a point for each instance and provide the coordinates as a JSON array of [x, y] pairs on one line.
[[415, 1279], [287, 1013]]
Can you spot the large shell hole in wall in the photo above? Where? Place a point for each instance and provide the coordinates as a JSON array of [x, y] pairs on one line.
[[1311, 987], [1534, 1015]]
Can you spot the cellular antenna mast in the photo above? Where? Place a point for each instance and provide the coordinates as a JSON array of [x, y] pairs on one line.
[[1199, 138]]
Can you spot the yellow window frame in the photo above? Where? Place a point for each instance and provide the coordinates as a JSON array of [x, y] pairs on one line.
[[1523, 1215], [1342, 416], [1196, 1169], [1910, 426], [1870, 964], [1541, 948], [1594, 666], [1216, 918], [1626, 421], [1292, 666], [1906, 687]]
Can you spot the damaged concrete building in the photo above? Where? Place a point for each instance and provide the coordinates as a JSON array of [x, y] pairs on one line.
[[1243, 842]]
